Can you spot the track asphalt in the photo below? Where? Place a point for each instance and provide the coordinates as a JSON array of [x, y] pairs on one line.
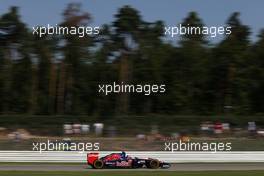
[[174, 167]]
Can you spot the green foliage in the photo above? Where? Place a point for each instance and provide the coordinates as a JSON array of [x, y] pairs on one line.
[[61, 74]]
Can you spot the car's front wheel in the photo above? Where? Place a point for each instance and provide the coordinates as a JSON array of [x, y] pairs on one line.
[[153, 164]]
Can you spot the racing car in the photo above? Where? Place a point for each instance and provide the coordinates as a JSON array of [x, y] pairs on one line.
[[121, 160]]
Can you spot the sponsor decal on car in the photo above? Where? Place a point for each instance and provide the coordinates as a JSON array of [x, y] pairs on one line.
[[124, 163]]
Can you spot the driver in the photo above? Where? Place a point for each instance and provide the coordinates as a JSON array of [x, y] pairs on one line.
[[123, 156]]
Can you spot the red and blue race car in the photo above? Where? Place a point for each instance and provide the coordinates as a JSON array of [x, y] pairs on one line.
[[121, 160]]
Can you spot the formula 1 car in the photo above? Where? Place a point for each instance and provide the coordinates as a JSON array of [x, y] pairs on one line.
[[121, 160]]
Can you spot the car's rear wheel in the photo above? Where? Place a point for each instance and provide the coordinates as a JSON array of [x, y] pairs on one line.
[[153, 164], [98, 164]]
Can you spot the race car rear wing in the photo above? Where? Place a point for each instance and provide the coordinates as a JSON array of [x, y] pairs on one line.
[[91, 157]]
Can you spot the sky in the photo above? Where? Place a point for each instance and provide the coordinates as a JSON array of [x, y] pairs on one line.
[[172, 12]]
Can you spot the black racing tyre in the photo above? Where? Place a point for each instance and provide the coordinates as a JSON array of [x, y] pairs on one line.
[[153, 164], [98, 164]]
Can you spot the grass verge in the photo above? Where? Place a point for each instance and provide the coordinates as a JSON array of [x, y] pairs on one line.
[[131, 173]]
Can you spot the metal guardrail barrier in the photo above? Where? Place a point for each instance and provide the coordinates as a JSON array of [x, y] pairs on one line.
[[173, 157]]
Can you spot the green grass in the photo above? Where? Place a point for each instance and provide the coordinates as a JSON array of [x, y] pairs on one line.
[[38, 163], [137, 173]]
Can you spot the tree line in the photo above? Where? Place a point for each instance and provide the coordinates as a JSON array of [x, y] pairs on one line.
[[60, 74]]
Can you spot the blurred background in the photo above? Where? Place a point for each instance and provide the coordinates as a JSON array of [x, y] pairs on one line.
[[49, 85]]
